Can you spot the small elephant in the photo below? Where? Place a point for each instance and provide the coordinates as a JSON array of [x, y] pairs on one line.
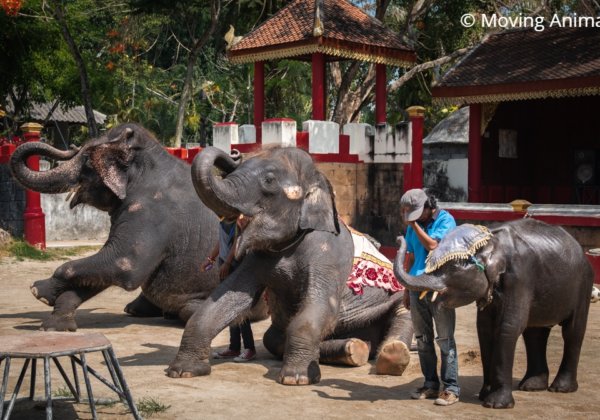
[[160, 232], [526, 276], [295, 247]]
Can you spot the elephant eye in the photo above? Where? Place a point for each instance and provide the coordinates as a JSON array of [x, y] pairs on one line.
[[269, 181]]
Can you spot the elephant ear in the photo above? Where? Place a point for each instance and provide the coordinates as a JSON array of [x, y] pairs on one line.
[[111, 161], [318, 208], [494, 262]]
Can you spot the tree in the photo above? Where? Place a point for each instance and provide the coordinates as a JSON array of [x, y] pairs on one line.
[[48, 62], [59, 13], [432, 28], [192, 26]]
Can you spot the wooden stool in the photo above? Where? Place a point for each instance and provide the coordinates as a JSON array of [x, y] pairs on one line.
[[52, 345]]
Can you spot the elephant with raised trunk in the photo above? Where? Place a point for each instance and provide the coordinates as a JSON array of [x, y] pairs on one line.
[[526, 276], [295, 247], [160, 232]]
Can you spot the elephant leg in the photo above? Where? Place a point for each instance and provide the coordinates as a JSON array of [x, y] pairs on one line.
[[48, 290], [304, 335], [232, 298], [274, 341], [129, 270], [536, 377], [573, 331], [142, 307], [347, 352], [63, 315], [502, 360], [393, 355], [485, 334]]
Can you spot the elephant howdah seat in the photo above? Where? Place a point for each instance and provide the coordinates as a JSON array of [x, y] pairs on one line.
[[50, 346], [461, 243]]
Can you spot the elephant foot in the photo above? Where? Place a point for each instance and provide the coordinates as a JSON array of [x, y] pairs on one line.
[[501, 398], [142, 307], [392, 359], [534, 383], [188, 368], [46, 291], [59, 322], [292, 376], [357, 352], [484, 392], [563, 384]]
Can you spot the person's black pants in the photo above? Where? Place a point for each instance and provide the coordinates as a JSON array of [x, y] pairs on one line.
[[246, 334]]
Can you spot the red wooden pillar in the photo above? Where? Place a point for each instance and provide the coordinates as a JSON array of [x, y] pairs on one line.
[[416, 115], [474, 154], [318, 87], [380, 94], [33, 217], [259, 98]]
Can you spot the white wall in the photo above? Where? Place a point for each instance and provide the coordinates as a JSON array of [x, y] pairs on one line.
[[83, 222], [458, 173]]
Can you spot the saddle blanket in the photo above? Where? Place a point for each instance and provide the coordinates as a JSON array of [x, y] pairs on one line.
[[370, 267]]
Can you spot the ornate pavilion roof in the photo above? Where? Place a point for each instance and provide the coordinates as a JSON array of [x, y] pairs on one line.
[[525, 64], [334, 27]]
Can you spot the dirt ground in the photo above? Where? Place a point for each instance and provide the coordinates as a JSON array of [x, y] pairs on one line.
[[249, 391]]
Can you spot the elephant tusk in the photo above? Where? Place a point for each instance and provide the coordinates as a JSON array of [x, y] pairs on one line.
[[69, 195], [434, 297], [422, 295]]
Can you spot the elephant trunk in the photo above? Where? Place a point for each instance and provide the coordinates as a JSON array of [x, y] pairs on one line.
[[216, 193], [58, 180], [423, 282]]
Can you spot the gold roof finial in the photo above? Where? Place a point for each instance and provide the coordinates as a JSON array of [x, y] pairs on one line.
[[318, 28], [230, 37]]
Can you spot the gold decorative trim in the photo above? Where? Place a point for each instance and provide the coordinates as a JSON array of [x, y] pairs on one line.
[[32, 127], [487, 113], [373, 259], [517, 96], [415, 111], [315, 48]]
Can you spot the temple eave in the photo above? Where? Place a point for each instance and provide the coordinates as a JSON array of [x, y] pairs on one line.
[[461, 95], [376, 55]]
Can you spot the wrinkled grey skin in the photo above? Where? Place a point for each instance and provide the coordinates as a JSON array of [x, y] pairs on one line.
[[295, 247], [160, 232], [539, 278]]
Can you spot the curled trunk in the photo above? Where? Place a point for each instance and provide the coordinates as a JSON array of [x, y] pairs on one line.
[[414, 283], [215, 193], [58, 180]]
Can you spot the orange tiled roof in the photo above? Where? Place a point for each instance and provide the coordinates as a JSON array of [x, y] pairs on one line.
[[345, 31], [526, 64]]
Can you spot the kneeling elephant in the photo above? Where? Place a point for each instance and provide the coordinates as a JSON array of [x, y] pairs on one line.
[[296, 248], [159, 232]]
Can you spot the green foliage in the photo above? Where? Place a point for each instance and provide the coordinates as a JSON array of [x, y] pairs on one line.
[[21, 250], [62, 392], [148, 406], [288, 90], [136, 52]]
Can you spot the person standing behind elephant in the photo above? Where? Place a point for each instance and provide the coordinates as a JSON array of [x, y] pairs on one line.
[[427, 225], [229, 231]]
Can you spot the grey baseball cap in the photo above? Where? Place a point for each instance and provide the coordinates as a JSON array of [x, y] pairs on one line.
[[414, 203]]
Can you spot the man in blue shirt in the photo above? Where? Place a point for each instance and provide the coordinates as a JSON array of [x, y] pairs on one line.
[[427, 225]]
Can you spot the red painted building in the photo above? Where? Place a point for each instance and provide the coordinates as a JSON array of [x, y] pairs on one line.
[[534, 131], [534, 98]]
